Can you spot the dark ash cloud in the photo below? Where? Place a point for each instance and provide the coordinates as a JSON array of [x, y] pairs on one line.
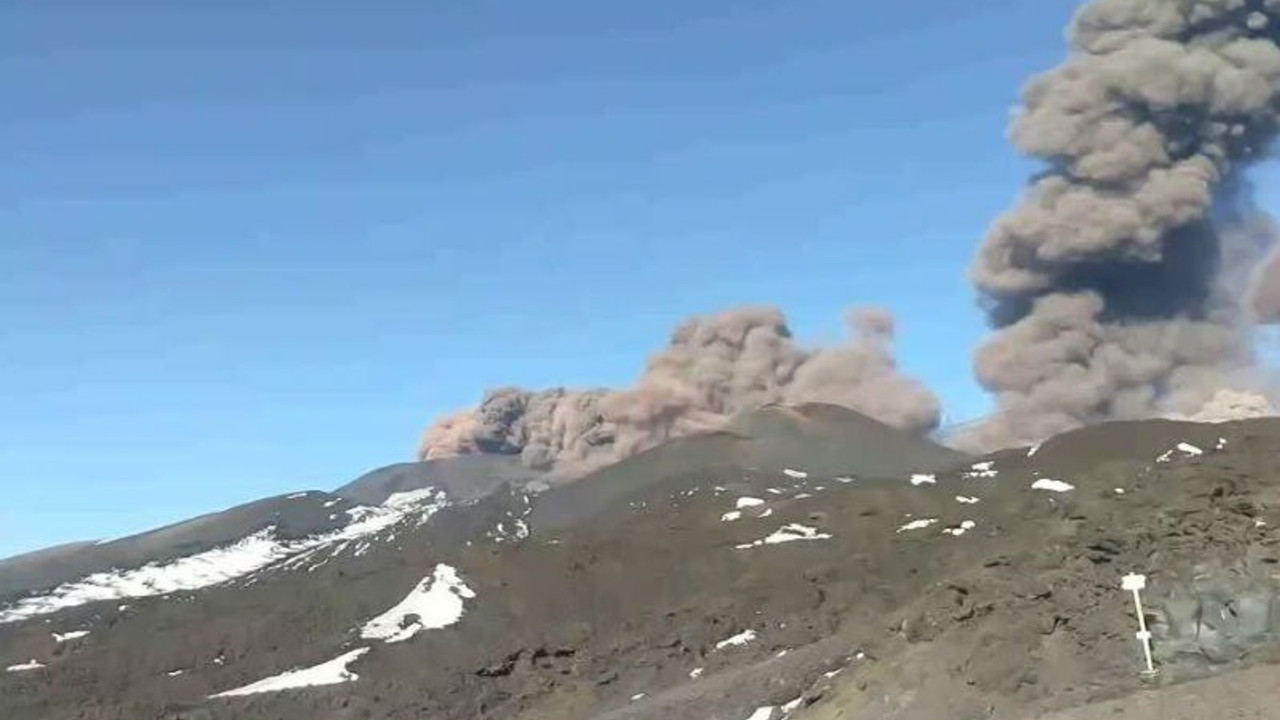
[[713, 367], [1114, 284]]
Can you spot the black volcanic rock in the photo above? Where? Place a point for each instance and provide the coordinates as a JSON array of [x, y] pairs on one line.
[[771, 564]]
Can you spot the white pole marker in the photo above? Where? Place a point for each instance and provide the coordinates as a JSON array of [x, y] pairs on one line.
[[1135, 583]]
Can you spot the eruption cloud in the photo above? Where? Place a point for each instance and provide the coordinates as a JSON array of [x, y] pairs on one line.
[[713, 367], [1122, 284]]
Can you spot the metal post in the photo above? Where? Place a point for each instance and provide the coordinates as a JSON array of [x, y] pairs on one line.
[[1135, 583]]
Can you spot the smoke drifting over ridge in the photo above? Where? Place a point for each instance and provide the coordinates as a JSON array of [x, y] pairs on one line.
[[1124, 284], [1118, 283], [714, 366]]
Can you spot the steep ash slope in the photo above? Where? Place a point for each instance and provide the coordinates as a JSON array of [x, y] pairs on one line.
[[826, 440], [753, 587], [465, 478], [293, 516]]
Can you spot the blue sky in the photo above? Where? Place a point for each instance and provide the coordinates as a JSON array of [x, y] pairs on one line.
[[251, 250]]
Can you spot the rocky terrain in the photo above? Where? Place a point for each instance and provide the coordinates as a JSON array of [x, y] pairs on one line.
[[805, 563]]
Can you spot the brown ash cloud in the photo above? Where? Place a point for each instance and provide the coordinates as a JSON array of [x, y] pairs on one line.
[[713, 367], [1121, 283]]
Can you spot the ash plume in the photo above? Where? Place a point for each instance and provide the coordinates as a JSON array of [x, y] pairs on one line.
[[713, 367], [1264, 290], [1117, 285]]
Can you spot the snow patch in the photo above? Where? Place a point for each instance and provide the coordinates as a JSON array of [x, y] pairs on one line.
[[1034, 449], [965, 499], [981, 470], [731, 516], [409, 497], [223, 564], [175, 673], [923, 479], [1052, 485], [69, 636], [918, 524], [961, 529], [436, 602], [747, 502], [738, 640], [696, 673], [762, 713], [295, 496], [797, 474], [802, 496], [845, 480], [785, 534], [333, 672], [1185, 448], [24, 667]]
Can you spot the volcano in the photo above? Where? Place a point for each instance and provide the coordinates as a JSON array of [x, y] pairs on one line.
[[803, 563]]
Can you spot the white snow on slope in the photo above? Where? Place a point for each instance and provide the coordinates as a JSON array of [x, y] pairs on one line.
[[966, 500], [785, 534], [923, 479], [1052, 485], [731, 516], [1187, 450], [436, 602], [410, 498], [1034, 449], [961, 529], [762, 713], [333, 672], [797, 474], [738, 640], [219, 565], [918, 524], [407, 502], [69, 636], [981, 470], [747, 502], [24, 667]]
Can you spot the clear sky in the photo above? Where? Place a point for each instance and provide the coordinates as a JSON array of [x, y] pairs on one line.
[[246, 251]]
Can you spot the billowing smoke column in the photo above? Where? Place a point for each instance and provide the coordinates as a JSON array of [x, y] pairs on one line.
[[714, 366], [1117, 284]]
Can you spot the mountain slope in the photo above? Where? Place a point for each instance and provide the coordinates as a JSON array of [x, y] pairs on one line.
[[722, 577]]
